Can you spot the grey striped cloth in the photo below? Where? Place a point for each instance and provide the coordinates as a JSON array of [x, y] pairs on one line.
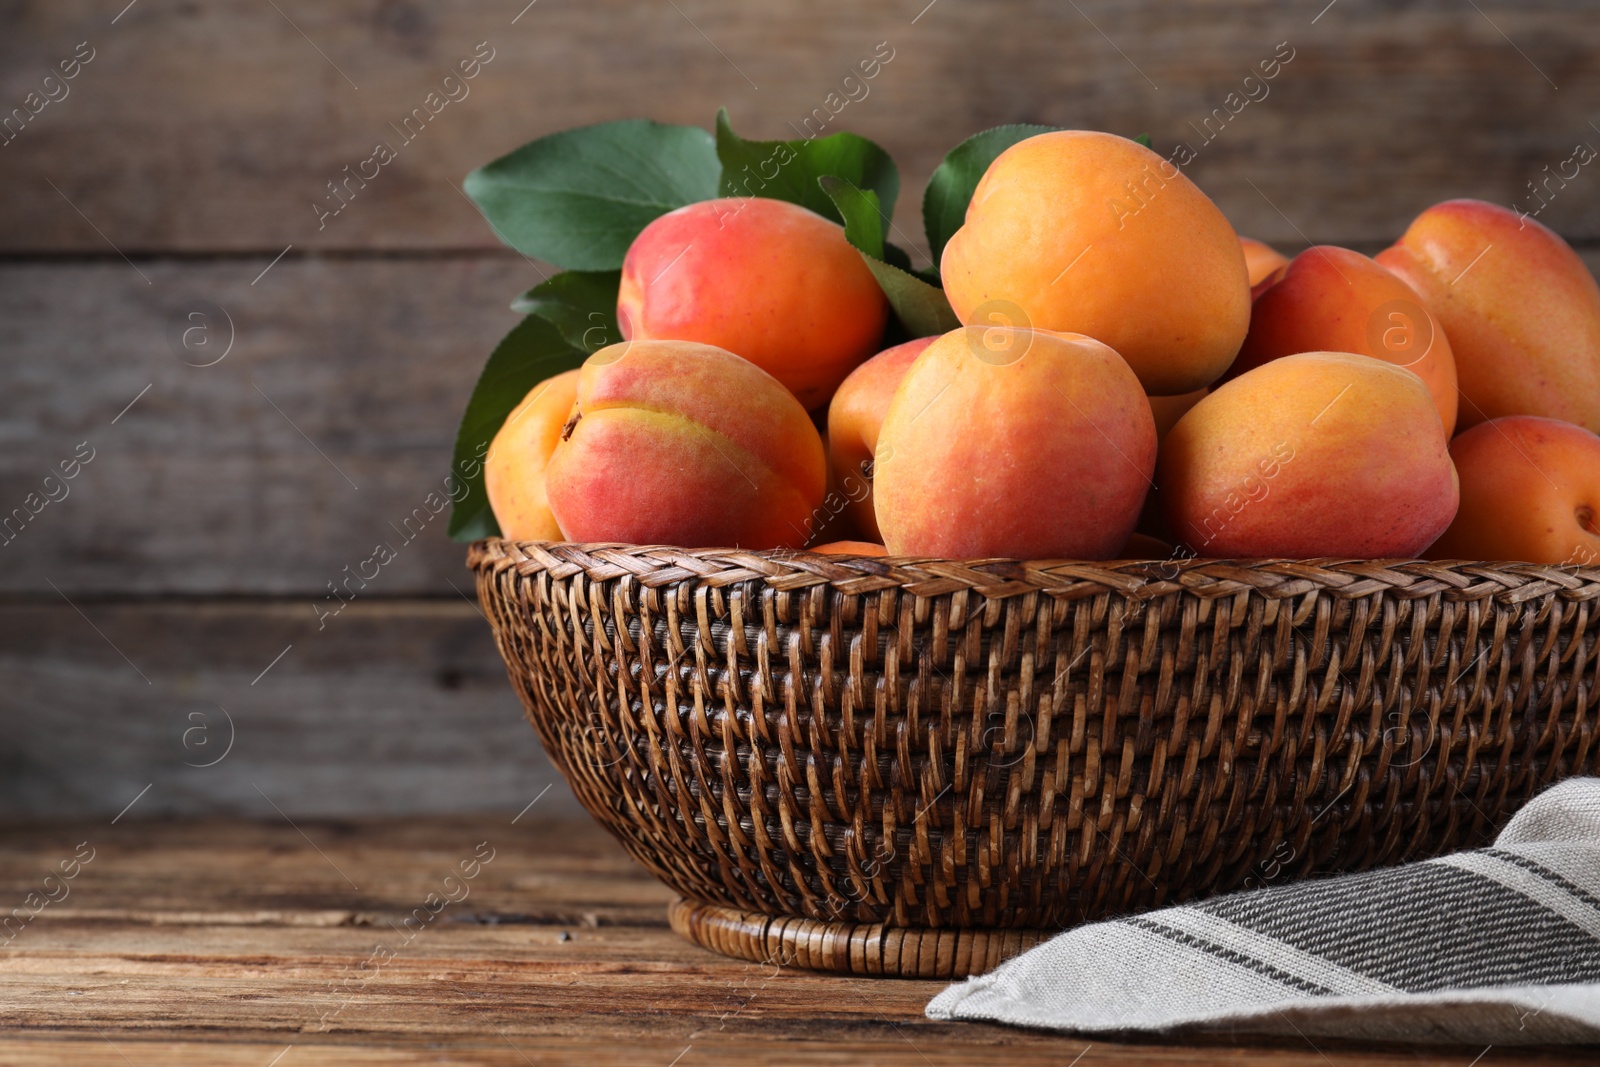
[[1499, 945]]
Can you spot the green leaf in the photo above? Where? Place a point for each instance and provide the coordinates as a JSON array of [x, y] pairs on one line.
[[578, 198], [921, 308], [1144, 139], [863, 218], [899, 257], [788, 170], [944, 202], [533, 351], [581, 304]]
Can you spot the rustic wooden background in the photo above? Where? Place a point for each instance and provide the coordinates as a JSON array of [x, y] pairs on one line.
[[138, 614]]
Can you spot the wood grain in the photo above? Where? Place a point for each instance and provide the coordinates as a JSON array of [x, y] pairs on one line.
[[223, 123], [230, 942], [392, 707], [318, 437]]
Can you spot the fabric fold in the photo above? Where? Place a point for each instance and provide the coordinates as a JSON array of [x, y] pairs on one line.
[[1499, 945]]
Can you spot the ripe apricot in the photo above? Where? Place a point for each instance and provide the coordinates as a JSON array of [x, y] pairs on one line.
[[764, 279], [514, 468], [1014, 442], [1331, 299], [1261, 259], [1152, 522], [679, 443], [1530, 490], [1521, 310], [850, 548], [1169, 409], [1095, 234], [854, 418], [1317, 454]]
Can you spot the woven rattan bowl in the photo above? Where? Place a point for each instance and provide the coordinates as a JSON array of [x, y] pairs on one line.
[[920, 767]]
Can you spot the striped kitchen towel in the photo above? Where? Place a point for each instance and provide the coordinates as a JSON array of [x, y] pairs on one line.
[[1499, 945]]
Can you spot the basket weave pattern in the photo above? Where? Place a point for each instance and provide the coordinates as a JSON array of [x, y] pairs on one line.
[[925, 743]]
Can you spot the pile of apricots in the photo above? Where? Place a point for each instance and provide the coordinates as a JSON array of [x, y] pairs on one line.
[[1128, 384]]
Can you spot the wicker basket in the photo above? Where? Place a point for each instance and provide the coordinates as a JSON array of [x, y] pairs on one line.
[[920, 767]]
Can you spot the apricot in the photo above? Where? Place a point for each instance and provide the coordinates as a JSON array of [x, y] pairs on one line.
[[1261, 259], [1014, 442], [1331, 299], [764, 279], [1317, 454], [679, 443], [1092, 233], [1530, 490], [1169, 409], [854, 418], [1521, 310], [850, 548], [514, 468]]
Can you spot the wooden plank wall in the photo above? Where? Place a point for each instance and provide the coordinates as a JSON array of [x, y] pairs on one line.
[[178, 173]]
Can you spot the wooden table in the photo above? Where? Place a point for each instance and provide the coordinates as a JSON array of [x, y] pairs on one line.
[[230, 942]]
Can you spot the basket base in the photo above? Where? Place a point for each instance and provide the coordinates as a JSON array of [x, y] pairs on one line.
[[847, 947]]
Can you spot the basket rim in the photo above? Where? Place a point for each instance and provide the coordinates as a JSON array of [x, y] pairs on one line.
[[1507, 582]]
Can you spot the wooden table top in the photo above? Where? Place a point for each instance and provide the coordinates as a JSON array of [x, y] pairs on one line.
[[231, 942]]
